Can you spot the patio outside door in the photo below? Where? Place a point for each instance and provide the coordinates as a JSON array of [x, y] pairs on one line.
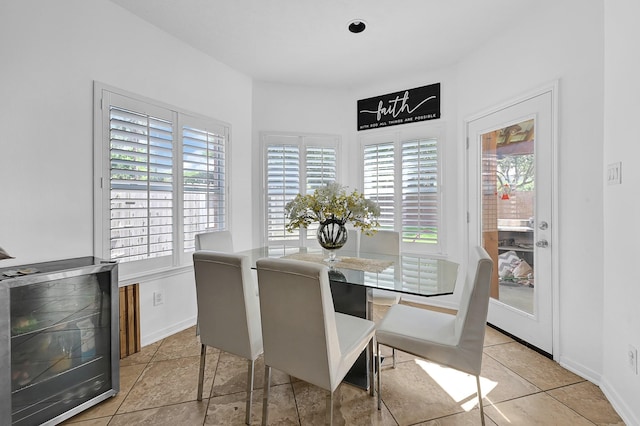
[[511, 189]]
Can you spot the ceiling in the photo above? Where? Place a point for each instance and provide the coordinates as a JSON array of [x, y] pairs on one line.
[[306, 42]]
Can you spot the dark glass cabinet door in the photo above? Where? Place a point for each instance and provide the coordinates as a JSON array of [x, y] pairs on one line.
[[61, 340]]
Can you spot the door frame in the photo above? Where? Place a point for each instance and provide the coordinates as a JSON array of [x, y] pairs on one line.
[[553, 88]]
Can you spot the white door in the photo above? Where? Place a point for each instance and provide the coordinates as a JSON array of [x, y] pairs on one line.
[[511, 187]]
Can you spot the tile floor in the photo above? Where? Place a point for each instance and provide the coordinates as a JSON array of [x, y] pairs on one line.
[[520, 387]]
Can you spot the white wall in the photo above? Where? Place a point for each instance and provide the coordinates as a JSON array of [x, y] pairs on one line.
[[51, 53], [559, 43], [621, 207]]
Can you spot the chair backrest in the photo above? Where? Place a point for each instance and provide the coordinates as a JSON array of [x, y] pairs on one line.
[[228, 306], [471, 318], [382, 242], [353, 239], [298, 320], [215, 241]]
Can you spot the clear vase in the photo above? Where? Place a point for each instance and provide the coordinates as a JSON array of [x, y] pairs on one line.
[[332, 235]]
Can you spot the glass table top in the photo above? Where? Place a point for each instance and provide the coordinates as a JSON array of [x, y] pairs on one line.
[[416, 274]]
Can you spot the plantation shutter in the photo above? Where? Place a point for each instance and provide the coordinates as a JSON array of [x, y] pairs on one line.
[[420, 197], [295, 165], [321, 167], [401, 172], [282, 185], [141, 185], [379, 180], [204, 167], [321, 170]]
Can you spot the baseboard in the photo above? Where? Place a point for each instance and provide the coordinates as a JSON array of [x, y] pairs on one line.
[[624, 411], [580, 370], [166, 332]]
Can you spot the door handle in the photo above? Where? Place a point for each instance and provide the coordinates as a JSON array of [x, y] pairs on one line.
[[543, 225], [542, 243]]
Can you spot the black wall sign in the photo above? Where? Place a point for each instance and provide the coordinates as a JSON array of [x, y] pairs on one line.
[[409, 106]]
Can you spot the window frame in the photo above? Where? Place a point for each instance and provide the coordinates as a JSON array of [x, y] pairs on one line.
[[104, 97], [397, 136], [302, 141]]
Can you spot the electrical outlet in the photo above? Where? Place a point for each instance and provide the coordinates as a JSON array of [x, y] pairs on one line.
[[158, 298], [614, 173], [632, 359]]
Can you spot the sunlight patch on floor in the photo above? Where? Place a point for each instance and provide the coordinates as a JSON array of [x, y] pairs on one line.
[[460, 386]]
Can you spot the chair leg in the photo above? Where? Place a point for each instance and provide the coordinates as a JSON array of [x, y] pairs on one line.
[[393, 355], [379, 374], [480, 400], [330, 409], [203, 356], [265, 398], [372, 367], [249, 391]]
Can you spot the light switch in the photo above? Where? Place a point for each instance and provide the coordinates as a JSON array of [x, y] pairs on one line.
[[614, 173]]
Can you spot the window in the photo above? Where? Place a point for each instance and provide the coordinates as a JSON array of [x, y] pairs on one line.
[[295, 164], [160, 179], [401, 172], [204, 174]]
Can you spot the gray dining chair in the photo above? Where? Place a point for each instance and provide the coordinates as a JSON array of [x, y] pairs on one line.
[[303, 335], [454, 341], [228, 311]]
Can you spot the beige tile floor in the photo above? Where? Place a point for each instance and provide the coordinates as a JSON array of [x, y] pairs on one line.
[[520, 387]]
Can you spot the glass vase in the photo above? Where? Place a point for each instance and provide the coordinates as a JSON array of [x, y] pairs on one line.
[[332, 235]]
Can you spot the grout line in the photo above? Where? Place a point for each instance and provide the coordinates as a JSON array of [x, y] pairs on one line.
[[291, 385]]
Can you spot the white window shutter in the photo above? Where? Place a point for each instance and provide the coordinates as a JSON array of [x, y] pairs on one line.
[[282, 185], [379, 180], [204, 168], [141, 185], [401, 172], [420, 197], [295, 164]]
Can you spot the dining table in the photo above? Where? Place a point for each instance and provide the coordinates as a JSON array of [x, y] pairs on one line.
[[354, 275]]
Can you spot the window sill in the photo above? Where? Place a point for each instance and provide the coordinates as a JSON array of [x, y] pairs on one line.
[[153, 275]]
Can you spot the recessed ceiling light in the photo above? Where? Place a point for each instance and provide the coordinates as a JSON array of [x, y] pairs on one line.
[[357, 26]]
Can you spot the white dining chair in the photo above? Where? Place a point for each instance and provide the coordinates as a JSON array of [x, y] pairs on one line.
[[221, 241], [388, 243], [454, 341], [303, 335], [353, 240], [215, 241], [382, 242], [228, 311]]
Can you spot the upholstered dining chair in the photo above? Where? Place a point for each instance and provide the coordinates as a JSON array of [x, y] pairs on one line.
[[454, 341], [382, 242], [228, 311], [353, 239], [303, 335], [215, 241], [221, 241]]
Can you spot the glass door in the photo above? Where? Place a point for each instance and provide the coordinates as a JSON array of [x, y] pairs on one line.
[[511, 192], [508, 175]]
